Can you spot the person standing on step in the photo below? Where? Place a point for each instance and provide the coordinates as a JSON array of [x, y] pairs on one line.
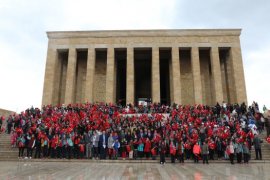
[[246, 152], [172, 151], [205, 152], [162, 152], [196, 152], [257, 145], [21, 145]]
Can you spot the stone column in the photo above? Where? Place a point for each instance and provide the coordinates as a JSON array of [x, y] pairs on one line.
[[110, 77], [176, 76], [71, 76], [90, 73], [196, 72], [155, 75], [48, 87], [130, 76], [238, 74], [216, 75]]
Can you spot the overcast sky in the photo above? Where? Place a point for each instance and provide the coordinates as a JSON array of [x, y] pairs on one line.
[[23, 40]]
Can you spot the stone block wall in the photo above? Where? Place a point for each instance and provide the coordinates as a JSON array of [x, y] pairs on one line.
[[100, 80]]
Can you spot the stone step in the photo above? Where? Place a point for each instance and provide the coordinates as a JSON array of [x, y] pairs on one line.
[[119, 161]]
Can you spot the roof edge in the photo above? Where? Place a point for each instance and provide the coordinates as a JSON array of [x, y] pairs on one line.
[[143, 33]]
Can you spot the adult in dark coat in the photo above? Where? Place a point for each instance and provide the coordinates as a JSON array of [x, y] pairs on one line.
[[162, 152], [257, 145], [103, 144]]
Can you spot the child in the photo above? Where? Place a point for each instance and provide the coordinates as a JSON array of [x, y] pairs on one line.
[[196, 152], [116, 146], [172, 152]]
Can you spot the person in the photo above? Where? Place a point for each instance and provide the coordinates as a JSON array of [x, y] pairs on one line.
[[257, 145], [31, 146], [205, 152], [140, 148], [239, 151], [162, 151], [64, 146], [246, 152], [88, 144], [180, 152], [147, 148], [21, 145], [53, 146], [95, 140], [103, 144], [172, 152], [110, 146], [44, 145], [69, 146], [196, 152], [38, 147], [230, 152], [116, 146]]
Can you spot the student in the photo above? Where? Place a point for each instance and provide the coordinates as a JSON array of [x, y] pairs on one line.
[[95, 140], [205, 152], [172, 152], [180, 152], [140, 148], [38, 147], [30, 147], [162, 152], [110, 146], [116, 146], [196, 152], [69, 146], [246, 152], [230, 152], [147, 148], [21, 145]]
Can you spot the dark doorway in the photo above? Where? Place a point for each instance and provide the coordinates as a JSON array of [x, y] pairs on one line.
[[142, 61], [165, 58], [121, 78]]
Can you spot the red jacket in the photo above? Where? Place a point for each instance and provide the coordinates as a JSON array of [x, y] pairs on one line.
[[147, 146], [196, 149]]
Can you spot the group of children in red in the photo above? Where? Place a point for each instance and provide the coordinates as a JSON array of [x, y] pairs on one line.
[[100, 131]]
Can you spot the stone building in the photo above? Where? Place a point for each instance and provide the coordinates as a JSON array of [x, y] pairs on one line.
[[170, 66]]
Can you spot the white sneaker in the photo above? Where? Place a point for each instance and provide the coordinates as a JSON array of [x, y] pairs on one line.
[[25, 157], [30, 157]]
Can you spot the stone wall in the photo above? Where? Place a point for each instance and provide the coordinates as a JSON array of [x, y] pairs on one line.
[[187, 88], [100, 80], [206, 77], [4, 112], [81, 79]]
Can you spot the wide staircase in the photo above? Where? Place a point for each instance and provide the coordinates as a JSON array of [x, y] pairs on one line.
[[265, 146], [8, 153]]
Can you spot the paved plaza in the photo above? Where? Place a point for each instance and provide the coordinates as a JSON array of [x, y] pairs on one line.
[[87, 170]]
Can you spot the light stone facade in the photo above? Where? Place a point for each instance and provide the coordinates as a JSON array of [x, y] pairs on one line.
[[201, 66]]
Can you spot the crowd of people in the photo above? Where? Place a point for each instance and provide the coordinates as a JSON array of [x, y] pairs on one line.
[[110, 131]]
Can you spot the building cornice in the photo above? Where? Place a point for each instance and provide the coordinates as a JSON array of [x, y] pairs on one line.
[[143, 33]]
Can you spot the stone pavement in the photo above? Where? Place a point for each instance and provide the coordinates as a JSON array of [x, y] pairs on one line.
[[75, 170]]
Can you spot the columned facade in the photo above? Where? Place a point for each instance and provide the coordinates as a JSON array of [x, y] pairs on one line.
[[162, 66]]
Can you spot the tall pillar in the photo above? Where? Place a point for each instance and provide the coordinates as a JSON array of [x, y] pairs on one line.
[[48, 87], [155, 75], [90, 72], [110, 77], [71, 76], [216, 75], [176, 76], [238, 74], [196, 72], [130, 76]]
